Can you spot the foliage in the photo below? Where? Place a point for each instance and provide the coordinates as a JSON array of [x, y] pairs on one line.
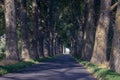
[[66, 25], [2, 47], [2, 22]]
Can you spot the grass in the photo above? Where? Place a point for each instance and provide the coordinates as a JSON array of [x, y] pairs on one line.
[[19, 65], [100, 73]]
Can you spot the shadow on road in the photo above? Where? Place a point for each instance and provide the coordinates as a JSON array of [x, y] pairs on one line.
[[61, 68]]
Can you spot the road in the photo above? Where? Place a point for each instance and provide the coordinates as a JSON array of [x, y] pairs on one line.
[[61, 68]]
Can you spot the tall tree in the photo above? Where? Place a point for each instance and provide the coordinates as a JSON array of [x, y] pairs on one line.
[[80, 36], [25, 54], [40, 32], [77, 20], [11, 34], [85, 19], [35, 38], [99, 53], [50, 25], [90, 32], [115, 54]]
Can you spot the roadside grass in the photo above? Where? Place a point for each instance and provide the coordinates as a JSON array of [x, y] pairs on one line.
[[19, 65], [98, 72]]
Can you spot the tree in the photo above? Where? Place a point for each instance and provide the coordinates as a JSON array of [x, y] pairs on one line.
[[89, 32], [77, 20], [41, 30], [99, 52], [11, 34], [80, 35], [50, 25], [25, 54], [35, 38], [115, 54]]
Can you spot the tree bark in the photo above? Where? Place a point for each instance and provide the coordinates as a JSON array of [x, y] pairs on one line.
[[115, 54], [99, 53], [40, 32], [34, 49], [51, 26], [90, 32], [41, 43], [80, 35], [25, 54], [85, 19], [11, 34]]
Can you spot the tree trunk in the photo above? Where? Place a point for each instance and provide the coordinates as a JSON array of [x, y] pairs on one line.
[[41, 41], [79, 37], [41, 32], [11, 34], [60, 47], [50, 25], [46, 45], [85, 19], [25, 55], [90, 32], [35, 35], [99, 53], [115, 54], [56, 46]]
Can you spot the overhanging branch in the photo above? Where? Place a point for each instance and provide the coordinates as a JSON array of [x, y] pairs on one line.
[[114, 5]]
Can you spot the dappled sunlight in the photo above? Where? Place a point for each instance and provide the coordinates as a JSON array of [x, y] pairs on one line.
[[60, 68], [40, 39]]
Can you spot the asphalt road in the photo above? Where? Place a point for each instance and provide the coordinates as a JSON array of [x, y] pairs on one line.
[[61, 68]]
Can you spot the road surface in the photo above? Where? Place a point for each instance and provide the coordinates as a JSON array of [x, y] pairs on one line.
[[61, 68]]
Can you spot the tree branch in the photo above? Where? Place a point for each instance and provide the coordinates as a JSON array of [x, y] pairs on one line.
[[114, 5]]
